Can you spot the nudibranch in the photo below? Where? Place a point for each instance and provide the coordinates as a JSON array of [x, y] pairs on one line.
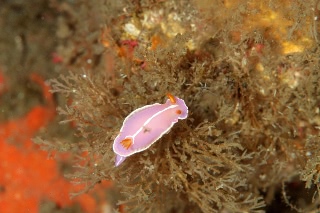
[[145, 125]]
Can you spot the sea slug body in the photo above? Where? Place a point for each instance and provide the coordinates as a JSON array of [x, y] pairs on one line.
[[145, 125]]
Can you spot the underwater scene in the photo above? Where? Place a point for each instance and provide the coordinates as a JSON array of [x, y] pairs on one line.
[[166, 106]]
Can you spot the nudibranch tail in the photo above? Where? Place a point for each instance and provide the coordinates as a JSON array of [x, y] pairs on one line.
[[119, 160], [126, 143], [171, 98]]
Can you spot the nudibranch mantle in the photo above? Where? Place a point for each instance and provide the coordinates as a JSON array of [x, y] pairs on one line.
[[145, 125]]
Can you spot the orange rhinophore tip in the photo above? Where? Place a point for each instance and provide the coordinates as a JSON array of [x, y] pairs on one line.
[[178, 112], [171, 98], [126, 143]]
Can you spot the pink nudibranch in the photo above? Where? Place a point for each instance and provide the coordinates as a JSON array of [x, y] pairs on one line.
[[145, 125]]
